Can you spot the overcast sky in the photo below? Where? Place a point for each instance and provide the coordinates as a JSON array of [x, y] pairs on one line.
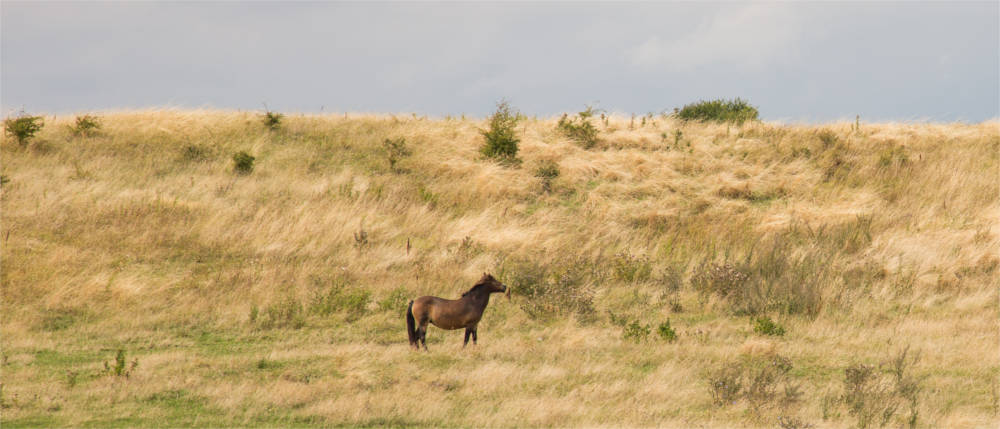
[[795, 61]]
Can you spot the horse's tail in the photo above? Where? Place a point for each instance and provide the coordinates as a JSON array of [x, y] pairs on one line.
[[411, 328]]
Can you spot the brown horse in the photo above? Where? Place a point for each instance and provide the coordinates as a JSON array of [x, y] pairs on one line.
[[464, 312]]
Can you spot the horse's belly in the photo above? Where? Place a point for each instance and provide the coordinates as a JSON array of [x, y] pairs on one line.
[[448, 325]]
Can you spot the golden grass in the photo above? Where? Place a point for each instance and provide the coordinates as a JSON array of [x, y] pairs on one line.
[[143, 239]]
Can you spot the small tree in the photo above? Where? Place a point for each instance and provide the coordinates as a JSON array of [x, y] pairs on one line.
[[501, 139], [86, 125], [547, 171], [580, 129], [395, 150], [272, 120], [23, 128]]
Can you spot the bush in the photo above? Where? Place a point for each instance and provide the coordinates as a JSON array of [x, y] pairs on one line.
[[272, 120], [579, 129], [635, 332], [666, 332], [765, 326], [500, 139], [243, 163], [395, 150], [23, 128], [720, 110], [86, 125], [547, 171]]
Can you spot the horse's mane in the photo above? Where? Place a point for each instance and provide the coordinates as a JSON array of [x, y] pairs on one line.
[[478, 285]]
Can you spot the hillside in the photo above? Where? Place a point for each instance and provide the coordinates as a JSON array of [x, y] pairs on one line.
[[276, 298]]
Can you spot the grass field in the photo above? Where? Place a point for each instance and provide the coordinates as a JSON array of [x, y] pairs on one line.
[[276, 298]]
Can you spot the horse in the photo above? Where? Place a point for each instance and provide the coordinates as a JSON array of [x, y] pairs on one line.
[[464, 312]]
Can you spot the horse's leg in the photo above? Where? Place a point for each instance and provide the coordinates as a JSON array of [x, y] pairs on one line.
[[475, 335], [467, 332], [422, 332]]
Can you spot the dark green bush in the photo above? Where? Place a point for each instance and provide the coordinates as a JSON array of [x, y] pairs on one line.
[[86, 125], [272, 120], [501, 139], [635, 332], [579, 129], [720, 110], [23, 128], [666, 332], [243, 163]]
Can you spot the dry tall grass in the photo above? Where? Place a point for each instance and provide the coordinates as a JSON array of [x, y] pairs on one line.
[[858, 242]]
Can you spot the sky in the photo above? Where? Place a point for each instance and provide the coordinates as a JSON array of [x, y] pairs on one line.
[[795, 61]]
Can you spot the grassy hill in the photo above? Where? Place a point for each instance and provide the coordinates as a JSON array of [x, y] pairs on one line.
[[146, 283]]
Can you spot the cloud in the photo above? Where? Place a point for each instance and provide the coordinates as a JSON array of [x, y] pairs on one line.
[[754, 35]]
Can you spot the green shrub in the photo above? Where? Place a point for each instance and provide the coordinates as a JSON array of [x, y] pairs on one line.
[[243, 163], [23, 128], [667, 333], [765, 326], [720, 110], [86, 125], [579, 129], [547, 171], [501, 139], [272, 120], [635, 332], [395, 150]]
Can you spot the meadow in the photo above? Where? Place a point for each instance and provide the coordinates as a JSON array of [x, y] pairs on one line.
[[671, 273]]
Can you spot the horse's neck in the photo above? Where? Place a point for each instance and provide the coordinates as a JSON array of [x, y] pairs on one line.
[[479, 299]]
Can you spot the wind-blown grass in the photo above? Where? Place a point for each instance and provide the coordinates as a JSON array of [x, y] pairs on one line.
[[140, 238]]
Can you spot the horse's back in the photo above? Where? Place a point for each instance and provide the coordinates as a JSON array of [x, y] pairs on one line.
[[443, 313]]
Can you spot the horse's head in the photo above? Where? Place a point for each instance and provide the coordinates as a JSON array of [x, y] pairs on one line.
[[489, 284]]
